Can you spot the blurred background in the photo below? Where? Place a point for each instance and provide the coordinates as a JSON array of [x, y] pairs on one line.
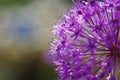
[[25, 34]]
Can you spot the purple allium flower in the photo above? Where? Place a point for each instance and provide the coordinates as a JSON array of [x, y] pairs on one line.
[[87, 42]]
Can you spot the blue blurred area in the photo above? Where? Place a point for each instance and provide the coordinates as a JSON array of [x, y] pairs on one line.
[[21, 28]]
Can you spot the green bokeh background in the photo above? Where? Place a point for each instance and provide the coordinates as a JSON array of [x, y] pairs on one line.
[[14, 2], [20, 60]]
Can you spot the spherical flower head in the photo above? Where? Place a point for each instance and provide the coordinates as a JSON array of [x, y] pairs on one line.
[[87, 42]]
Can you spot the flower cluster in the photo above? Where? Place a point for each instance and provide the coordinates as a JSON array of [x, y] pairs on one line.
[[87, 42]]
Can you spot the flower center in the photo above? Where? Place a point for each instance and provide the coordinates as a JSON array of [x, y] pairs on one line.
[[115, 51]]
